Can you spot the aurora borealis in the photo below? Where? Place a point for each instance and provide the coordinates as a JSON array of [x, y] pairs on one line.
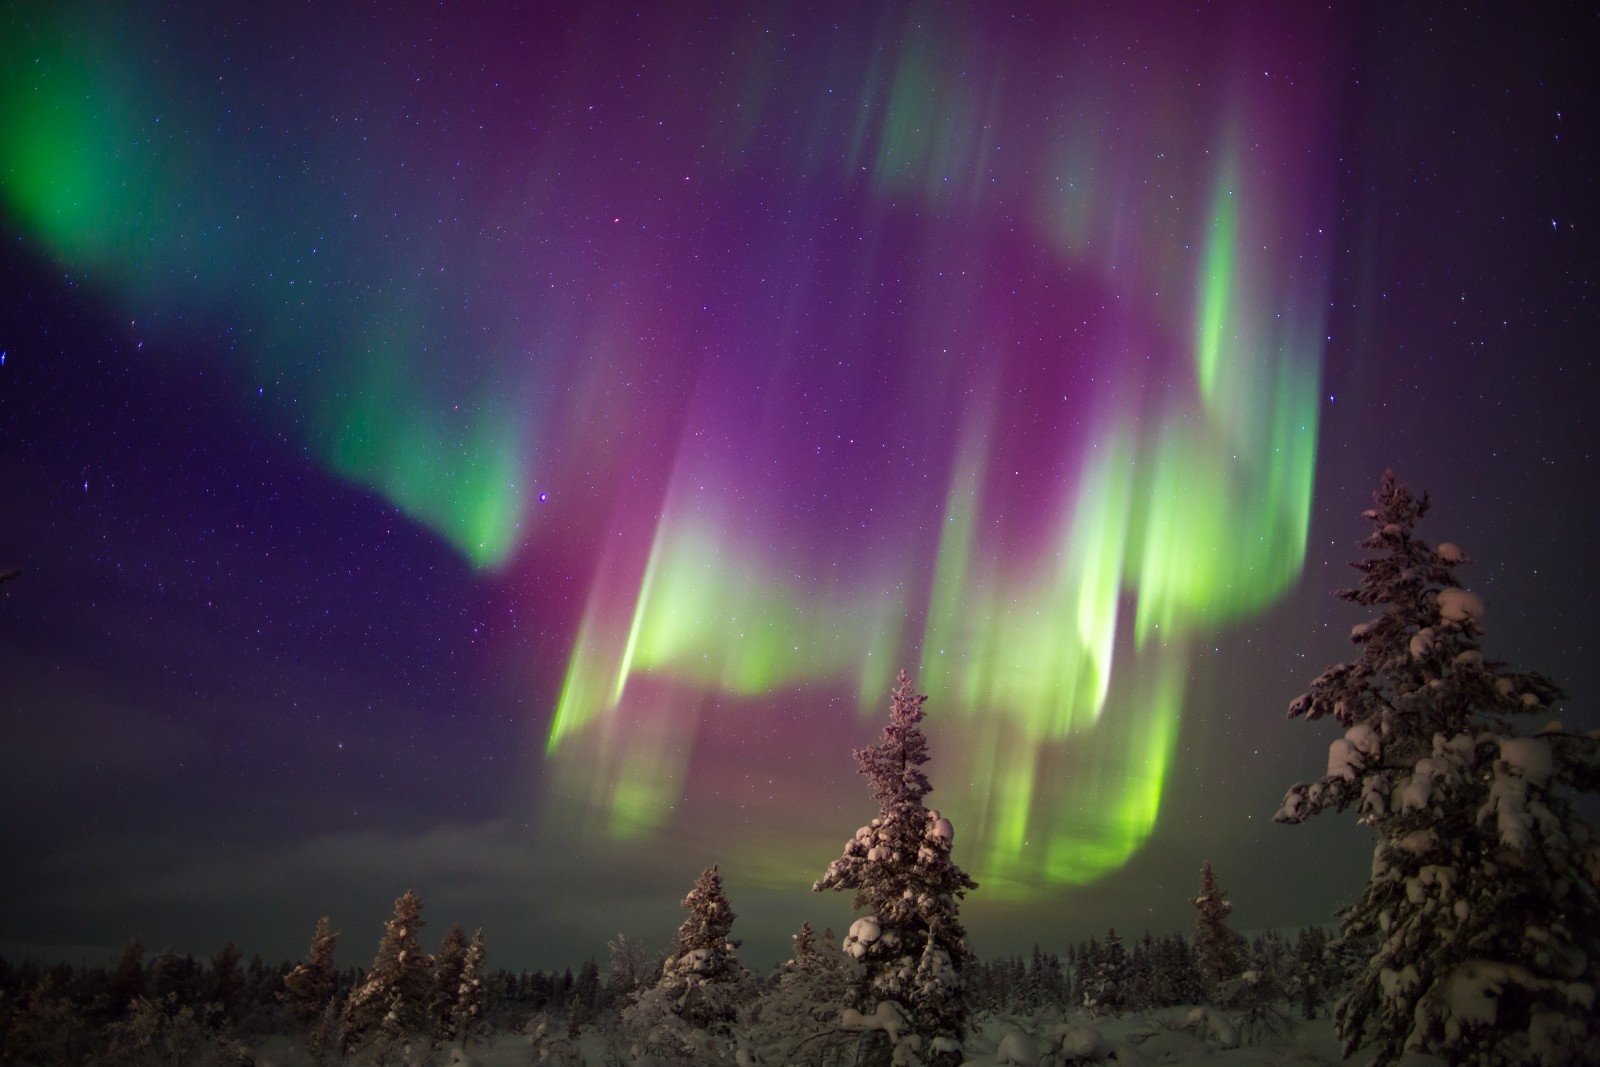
[[551, 431]]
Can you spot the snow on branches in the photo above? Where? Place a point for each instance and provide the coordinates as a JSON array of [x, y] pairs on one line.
[[1483, 900], [911, 944]]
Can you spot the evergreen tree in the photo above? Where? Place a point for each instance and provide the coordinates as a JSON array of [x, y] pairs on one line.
[[1218, 949], [45, 1027], [1105, 990], [708, 928], [261, 1013], [1176, 977], [805, 942], [689, 1015], [1482, 903], [798, 1019], [225, 985], [586, 995], [1141, 976], [1053, 983], [1310, 970], [911, 944], [628, 968], [308, 988], [125, 984], [159, 1032], [1073, 986], [173, 976], [467, 1013], [326, 1037], [447, 965], [392, 1000]]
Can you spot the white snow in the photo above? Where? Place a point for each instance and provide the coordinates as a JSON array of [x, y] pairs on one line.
[[1164, 1037], [863, 933], [1472, 991], [1527, 757], [1348, 754], [1395, 983], [886, 1017], [1450, 552], [1343, 760], [1457, 606], [1418, 842], [1417, 791], [1017, 1049]]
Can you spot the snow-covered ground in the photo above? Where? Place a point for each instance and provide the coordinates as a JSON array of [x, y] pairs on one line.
[[1170, 1036]]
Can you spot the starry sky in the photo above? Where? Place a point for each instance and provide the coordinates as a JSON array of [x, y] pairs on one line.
[[508, 455]]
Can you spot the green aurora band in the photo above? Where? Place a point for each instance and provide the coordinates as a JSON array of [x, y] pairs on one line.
[[1058, 680], [1196, 516], [1198, 521], [141, 208]]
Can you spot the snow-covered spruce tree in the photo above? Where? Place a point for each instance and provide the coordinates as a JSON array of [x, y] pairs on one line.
[[1482, 901], [225, 983], [689, 1015], [798, 1019], [163, 1031], [466, 1014], [45, 1026], [1219, 950], [1175, 977], [911, 944], [447, 964], [1310, 977], [308, 987], [1141, 975], [121, 987], [392, 1001], [170, 974], [588, 995], [628, 970], [1105, 986]]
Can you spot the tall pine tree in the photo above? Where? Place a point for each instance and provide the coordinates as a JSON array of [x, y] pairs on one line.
[[1483, 901], [1219, 950], [1105, 986], [911, 944], [225, 985], [689, 1015], [466, 1014], [447, 964], [309, 986], [798, 1019], [393, 999]]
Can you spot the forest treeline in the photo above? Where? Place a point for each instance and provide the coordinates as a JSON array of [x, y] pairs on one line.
[[186, 1008]]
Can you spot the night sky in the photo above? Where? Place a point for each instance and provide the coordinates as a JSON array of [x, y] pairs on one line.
[[508, 456]]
